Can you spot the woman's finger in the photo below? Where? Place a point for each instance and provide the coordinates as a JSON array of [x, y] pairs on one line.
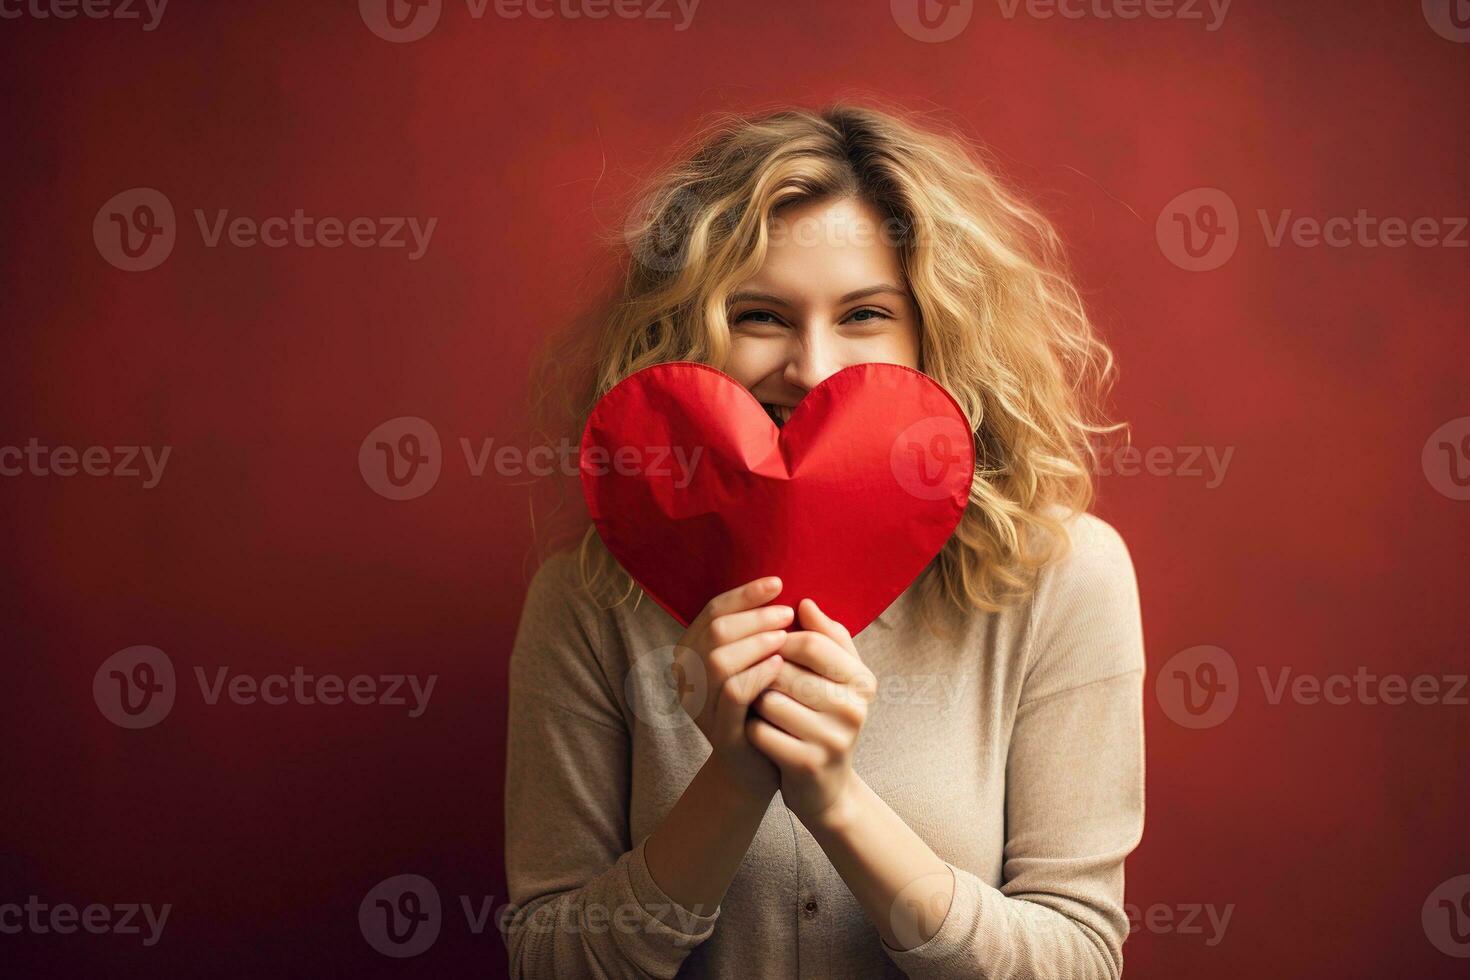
[[734, 626], [813, 618], [797, 720], [753, 593], [821, 654], [778, 746], [743, 689], [727, 661], [814, 690]]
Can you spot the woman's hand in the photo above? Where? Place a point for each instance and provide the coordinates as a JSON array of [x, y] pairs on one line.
[[807, 722], [732, 643]]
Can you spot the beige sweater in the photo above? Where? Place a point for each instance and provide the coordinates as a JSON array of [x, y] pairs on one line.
[[1015, 752]]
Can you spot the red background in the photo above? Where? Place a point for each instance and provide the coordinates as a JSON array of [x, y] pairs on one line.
[[1325, 547]]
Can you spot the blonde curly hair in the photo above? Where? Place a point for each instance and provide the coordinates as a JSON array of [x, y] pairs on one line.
[[1003, 328]]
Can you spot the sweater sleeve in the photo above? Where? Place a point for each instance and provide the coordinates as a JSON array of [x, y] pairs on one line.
[[1074, 788], [582, 902]]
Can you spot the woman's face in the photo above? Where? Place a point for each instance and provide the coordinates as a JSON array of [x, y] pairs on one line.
[[831, 294]]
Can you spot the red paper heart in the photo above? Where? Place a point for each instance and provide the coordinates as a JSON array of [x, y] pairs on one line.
[[695, 490]]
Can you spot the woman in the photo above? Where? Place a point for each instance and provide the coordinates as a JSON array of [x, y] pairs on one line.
[[951, 793]]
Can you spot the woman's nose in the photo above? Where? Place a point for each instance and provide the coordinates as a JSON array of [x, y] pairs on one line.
[[811, 362]]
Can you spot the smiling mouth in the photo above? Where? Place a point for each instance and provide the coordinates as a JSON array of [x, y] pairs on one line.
[[779, 414]]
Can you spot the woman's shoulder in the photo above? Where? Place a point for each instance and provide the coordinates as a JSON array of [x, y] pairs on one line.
[[1084, 615], [1093, 548], [558, 599], [556, 575], [586, 586], [560, 654]]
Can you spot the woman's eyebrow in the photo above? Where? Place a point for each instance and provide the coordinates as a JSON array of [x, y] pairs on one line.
[[882, 287], [749, 296]]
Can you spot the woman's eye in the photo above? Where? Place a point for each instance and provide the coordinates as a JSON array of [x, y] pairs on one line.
[[758, 316], [870, 316]]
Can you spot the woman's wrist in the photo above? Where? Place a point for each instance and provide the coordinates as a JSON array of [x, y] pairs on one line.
[[735, 791], [839, 818]]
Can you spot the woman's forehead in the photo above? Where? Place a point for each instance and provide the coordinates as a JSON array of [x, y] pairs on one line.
[[828, 251]]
